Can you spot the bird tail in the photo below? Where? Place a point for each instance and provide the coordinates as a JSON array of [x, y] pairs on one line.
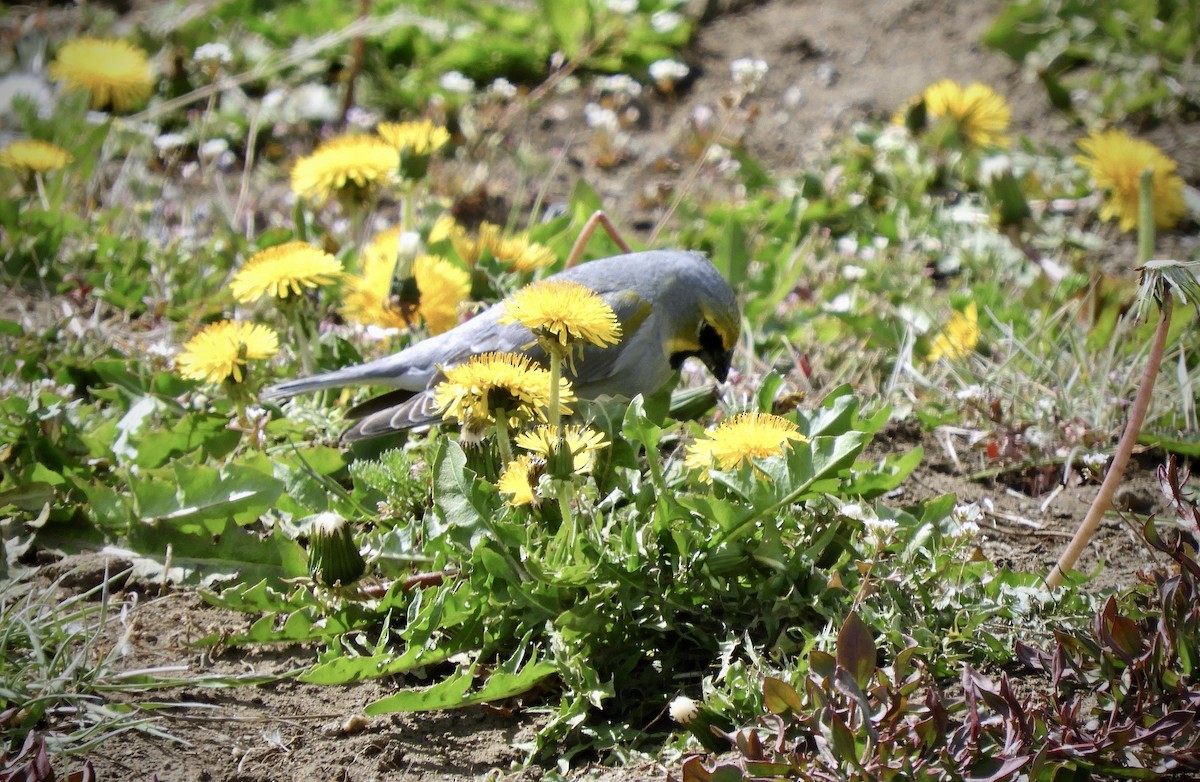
[[382, 372]]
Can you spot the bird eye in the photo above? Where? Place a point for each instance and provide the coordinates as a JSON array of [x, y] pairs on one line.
[[710, 339]]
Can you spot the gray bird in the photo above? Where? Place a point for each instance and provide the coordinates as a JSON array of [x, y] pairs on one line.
[[671, 305]]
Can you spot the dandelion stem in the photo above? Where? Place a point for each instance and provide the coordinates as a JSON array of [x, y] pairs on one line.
[[502, 438], [303, 335]]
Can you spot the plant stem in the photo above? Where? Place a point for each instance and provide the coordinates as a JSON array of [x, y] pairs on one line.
[[1137, 415], [1141, 402], [502, 439]]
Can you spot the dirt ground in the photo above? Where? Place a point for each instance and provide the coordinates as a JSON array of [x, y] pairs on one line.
[[830, 64]]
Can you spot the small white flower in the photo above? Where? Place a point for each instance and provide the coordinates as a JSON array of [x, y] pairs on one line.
[[880, 530], [619, 84], [994, 166], [667, 71], [683, 709], [972, 393], [213, 148], [664, 22], [967, 512], [361, 118], [851, 272], [601, 118], [453, 81], [311, 103], [1095, 461], [747, 71], [843, 302], [215, 53], [847, 245], [854, 510], [622, 6], [169, 141], [503, 88]]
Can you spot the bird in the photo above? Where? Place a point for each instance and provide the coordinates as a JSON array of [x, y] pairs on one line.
[[671, 304]]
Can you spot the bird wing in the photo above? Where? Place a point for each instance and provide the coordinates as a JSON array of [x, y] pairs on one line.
[[597, 365]]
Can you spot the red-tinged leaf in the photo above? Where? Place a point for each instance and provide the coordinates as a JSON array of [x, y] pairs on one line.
[[1119, 633], [1172, 724], [903, 663], [694, 771], [727, 773], [1032, 657], [821, 663], [780, 697], [844, 746], [1006, 770], [856, 650], [768, 770]]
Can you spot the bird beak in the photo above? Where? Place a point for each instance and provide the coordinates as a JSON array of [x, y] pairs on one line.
[[718, 362]]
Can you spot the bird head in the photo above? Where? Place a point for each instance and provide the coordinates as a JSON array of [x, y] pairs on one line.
[[709, 322]]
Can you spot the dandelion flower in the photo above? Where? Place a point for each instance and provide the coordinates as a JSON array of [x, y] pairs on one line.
[[981, 115], [221, 350], [415, 142], [520, 254], [34, 157], [520, 479], [582, 441], [473, 392], [565, 312], [113, 72], [345, 166], [743, 437], [441, 285], [960, 336], [284, 270], [1115, 161]]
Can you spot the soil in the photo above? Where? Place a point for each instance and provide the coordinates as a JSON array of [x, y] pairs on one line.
[[830, 64]]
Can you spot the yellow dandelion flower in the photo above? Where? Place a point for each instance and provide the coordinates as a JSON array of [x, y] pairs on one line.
[[520, 479], [443, 228], [980, 114], [221, 350], [31, 156], [415, 142], [564, 312], [473, 392], [114, 72], [284, 270], [1115, 161], [743, 437], [442, 287], [346, 166], [960, 336], [520, 254], [368, 294], [582, 441]]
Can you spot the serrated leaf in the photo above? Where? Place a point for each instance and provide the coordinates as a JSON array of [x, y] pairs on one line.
[[454, 692]]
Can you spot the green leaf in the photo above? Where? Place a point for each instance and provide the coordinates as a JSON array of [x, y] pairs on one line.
[[460, 499], [455, 692], [31, 496], [161, 550], [571, 21], [779, 697]]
